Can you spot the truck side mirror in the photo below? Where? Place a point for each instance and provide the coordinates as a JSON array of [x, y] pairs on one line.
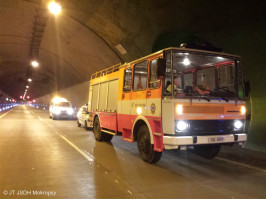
[[161, 62], [247, 87]]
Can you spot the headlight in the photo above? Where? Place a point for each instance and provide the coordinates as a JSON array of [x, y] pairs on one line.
[[238, 124], [181, 125], [70, 111]]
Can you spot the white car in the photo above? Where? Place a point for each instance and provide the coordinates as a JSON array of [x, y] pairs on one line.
[[83, 117], [61, 108]]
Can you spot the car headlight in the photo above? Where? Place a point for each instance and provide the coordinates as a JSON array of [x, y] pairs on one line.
[[181, 125], [238, 124], [70, 111]]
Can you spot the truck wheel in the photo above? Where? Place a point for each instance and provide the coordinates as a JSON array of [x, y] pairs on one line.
[[208, 151], [97, 130], [145, 147], [78, 123], [98, 134]]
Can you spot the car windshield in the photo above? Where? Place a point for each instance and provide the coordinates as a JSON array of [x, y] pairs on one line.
[[197, 74], [63, 104]]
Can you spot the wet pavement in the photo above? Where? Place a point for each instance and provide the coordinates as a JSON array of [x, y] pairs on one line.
[[44, 158]]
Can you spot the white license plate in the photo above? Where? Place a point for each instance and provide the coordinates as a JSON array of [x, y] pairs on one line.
[[216, 139]]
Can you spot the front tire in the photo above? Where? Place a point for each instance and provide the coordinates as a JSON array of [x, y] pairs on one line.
[[146, 149], [54, 117], [208, 151]]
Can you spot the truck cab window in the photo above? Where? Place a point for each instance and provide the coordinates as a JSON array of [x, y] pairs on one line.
[[140, 76], [226, 77], [154, 81], [127, 80]]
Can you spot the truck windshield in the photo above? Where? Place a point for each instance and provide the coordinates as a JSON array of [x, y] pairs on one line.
[[191, 74]]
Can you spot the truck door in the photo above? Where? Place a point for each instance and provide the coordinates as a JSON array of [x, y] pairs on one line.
[[154, 92], [139, 90], [124, 124]]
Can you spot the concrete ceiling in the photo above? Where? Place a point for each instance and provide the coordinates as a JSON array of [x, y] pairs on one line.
[[88, 35]]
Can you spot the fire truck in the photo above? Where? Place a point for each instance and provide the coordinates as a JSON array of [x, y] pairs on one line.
[[176, 98]]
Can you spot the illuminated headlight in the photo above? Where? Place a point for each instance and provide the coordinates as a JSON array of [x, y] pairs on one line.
[[181, 125], [70, 111], [238, 124]]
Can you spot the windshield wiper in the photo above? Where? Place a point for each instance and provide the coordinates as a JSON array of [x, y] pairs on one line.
[[221, 88], [222, 97], [207, 99], [219, 95]]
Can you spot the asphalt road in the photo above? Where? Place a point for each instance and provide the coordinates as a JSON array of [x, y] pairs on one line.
[[44, 158]]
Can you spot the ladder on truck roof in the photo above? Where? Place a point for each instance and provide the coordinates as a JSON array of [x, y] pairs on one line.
[[106, 71]]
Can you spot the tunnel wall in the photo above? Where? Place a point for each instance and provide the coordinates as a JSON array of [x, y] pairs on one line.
[[3, 97], [77, 95]]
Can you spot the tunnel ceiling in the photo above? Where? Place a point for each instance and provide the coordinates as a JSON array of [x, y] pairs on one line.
[[90, 35]]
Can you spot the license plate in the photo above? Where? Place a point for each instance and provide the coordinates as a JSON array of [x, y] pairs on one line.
[[216, 139]]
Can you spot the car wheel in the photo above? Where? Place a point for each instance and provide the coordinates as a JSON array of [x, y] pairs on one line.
[[85, 125], [78, 123]]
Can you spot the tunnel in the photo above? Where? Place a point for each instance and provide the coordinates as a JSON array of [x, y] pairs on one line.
[[88, 36]]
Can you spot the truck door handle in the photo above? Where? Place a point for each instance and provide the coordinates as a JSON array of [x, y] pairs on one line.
[[148, 93], [123, 96]]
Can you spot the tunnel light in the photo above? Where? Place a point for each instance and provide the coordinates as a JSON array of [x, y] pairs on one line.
[[34, 63], [27, 86], [186, 61], [29, 80], [54, 8]]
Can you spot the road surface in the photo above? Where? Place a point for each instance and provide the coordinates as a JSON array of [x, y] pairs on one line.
[[45, 158]]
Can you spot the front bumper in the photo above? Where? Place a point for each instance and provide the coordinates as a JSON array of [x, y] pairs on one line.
[[173, 142]]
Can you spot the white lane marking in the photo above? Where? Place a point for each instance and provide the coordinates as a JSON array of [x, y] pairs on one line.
[[129, 192], [5, 114], [88, 157], [40, 118], [242, 164]]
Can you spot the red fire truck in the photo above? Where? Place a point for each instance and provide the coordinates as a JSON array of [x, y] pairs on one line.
[[172, 99]]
